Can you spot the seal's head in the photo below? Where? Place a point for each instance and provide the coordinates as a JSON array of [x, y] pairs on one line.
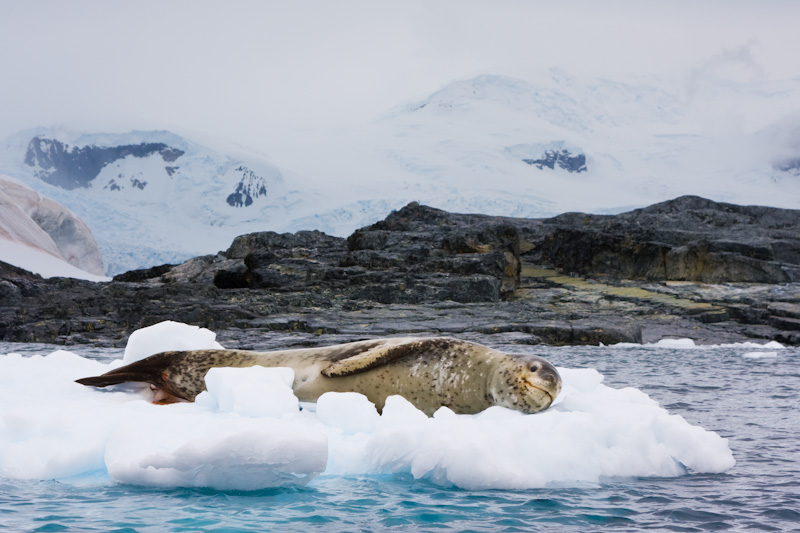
[[526, 383]]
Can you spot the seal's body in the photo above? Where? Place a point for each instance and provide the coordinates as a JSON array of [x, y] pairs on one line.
[[429, 372]]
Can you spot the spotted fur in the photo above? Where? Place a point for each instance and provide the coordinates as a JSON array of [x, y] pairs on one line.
[[429, 372]]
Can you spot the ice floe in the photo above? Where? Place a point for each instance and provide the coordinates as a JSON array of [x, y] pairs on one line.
[[248, 431]]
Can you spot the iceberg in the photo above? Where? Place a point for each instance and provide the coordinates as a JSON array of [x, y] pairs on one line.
[[249, 432]]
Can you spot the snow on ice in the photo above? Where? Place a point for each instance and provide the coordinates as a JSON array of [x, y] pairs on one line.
[[40, 262], [249, 432], [167, 336]]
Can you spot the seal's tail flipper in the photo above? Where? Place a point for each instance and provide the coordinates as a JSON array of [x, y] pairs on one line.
[[114, 378], [148, 370]]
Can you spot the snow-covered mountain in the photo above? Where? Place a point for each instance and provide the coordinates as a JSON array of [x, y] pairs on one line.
[[151, 197], [490, 144], [554, 143], [600, 144]]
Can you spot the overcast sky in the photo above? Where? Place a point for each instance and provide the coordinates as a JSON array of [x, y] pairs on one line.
[[247, 70]]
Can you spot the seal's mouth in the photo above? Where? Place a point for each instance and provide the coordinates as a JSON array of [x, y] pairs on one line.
[[538, 387]]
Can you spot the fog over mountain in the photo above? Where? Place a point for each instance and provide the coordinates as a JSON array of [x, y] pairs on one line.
[[254, 72], [490, 144]]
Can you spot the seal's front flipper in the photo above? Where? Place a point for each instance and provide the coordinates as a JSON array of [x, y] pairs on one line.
[[386, 352], [148, 370]]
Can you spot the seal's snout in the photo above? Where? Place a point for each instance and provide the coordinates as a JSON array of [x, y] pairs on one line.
[[545, 377]]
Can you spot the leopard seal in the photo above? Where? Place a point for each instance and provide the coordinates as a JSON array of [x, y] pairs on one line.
[[429, 372]]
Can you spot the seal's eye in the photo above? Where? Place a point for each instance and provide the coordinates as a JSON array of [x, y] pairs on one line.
[[534, 367]]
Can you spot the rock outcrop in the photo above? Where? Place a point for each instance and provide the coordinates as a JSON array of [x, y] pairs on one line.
[[562, 159], [250, 186], [72, 167], [686, 239], [572, 279], [416, 255]]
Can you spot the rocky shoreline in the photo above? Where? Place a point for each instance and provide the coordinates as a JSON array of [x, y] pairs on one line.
[[688, 267]]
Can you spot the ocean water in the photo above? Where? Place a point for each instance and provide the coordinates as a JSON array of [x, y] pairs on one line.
[[748, 395]]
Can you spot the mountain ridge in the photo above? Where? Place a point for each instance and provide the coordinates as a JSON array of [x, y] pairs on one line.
[[494, 144]]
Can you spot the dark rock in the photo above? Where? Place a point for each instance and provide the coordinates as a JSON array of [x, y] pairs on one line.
[[250, 186], [784, 309], [586, 279], [286, 245], [9, 292], [201, 270], [687, 239], [748, 314], [418, 290], [566, 333], [143, 274], [75, 167], [561, 158], [13, 273], [232, 274], [409, 258], [419, 239], [785, 323]]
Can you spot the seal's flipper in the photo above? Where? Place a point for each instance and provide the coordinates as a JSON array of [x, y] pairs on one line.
[[148, 370], [384, 353], [114, 378]]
